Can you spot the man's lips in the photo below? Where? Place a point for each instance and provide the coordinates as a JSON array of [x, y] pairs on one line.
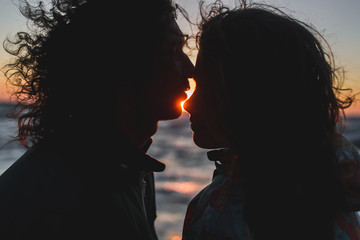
[[183, 96]]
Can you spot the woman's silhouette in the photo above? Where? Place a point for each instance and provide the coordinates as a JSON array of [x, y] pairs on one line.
[[269, 97]]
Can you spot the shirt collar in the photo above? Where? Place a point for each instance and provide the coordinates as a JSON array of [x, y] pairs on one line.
[[134, 158], [115, 154]]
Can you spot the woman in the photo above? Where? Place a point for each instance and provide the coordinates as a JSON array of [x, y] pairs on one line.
[[269, 97]]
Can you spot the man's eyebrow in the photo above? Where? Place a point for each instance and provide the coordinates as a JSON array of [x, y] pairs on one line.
[[185, 38], [178, 41], [181, 39]]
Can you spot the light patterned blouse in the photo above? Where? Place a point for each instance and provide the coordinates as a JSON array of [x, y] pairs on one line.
[[207, 211]]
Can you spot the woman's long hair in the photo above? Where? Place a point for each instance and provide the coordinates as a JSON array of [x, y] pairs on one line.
[[278, 79], [76, 55]]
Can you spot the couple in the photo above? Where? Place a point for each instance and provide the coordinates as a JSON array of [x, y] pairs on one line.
[[95, 80]]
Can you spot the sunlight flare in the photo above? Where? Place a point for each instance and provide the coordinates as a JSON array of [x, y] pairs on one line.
[[189, 93]]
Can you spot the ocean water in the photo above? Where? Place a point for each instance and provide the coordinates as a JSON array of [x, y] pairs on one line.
[[187, 168]]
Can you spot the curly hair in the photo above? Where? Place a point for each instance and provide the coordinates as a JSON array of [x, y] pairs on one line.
[[75, 56], [340, 98], [261, 55]]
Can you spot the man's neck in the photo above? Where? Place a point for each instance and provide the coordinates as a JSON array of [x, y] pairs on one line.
[[141, 136]]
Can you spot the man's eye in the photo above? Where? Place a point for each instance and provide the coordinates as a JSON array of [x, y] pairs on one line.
[[172, 52]]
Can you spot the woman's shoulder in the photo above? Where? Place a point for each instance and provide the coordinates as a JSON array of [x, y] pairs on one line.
[[348, 157], [346, 150], [349, 163]]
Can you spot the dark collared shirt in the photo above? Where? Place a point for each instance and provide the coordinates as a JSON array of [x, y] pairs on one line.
[[53, 194]]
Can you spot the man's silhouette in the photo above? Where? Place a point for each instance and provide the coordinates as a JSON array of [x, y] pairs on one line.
[[94, 79]]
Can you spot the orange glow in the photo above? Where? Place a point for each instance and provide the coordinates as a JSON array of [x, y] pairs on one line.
[[189, 93], [175, 238], [182, 187], [354, 110]]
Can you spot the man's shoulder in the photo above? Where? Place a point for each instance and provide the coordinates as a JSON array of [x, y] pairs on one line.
[[37, 176]]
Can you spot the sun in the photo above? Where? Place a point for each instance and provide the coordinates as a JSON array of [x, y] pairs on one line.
[[189, 92]]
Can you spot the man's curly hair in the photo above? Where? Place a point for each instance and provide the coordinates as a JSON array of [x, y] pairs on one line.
[[74, 57]]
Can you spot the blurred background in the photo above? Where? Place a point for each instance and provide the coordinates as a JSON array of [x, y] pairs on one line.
[[188, 169]]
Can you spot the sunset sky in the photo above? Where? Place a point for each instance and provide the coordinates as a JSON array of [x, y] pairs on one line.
[[337, 20]]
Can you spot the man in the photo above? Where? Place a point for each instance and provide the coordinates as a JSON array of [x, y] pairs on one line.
[[94, 80]]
